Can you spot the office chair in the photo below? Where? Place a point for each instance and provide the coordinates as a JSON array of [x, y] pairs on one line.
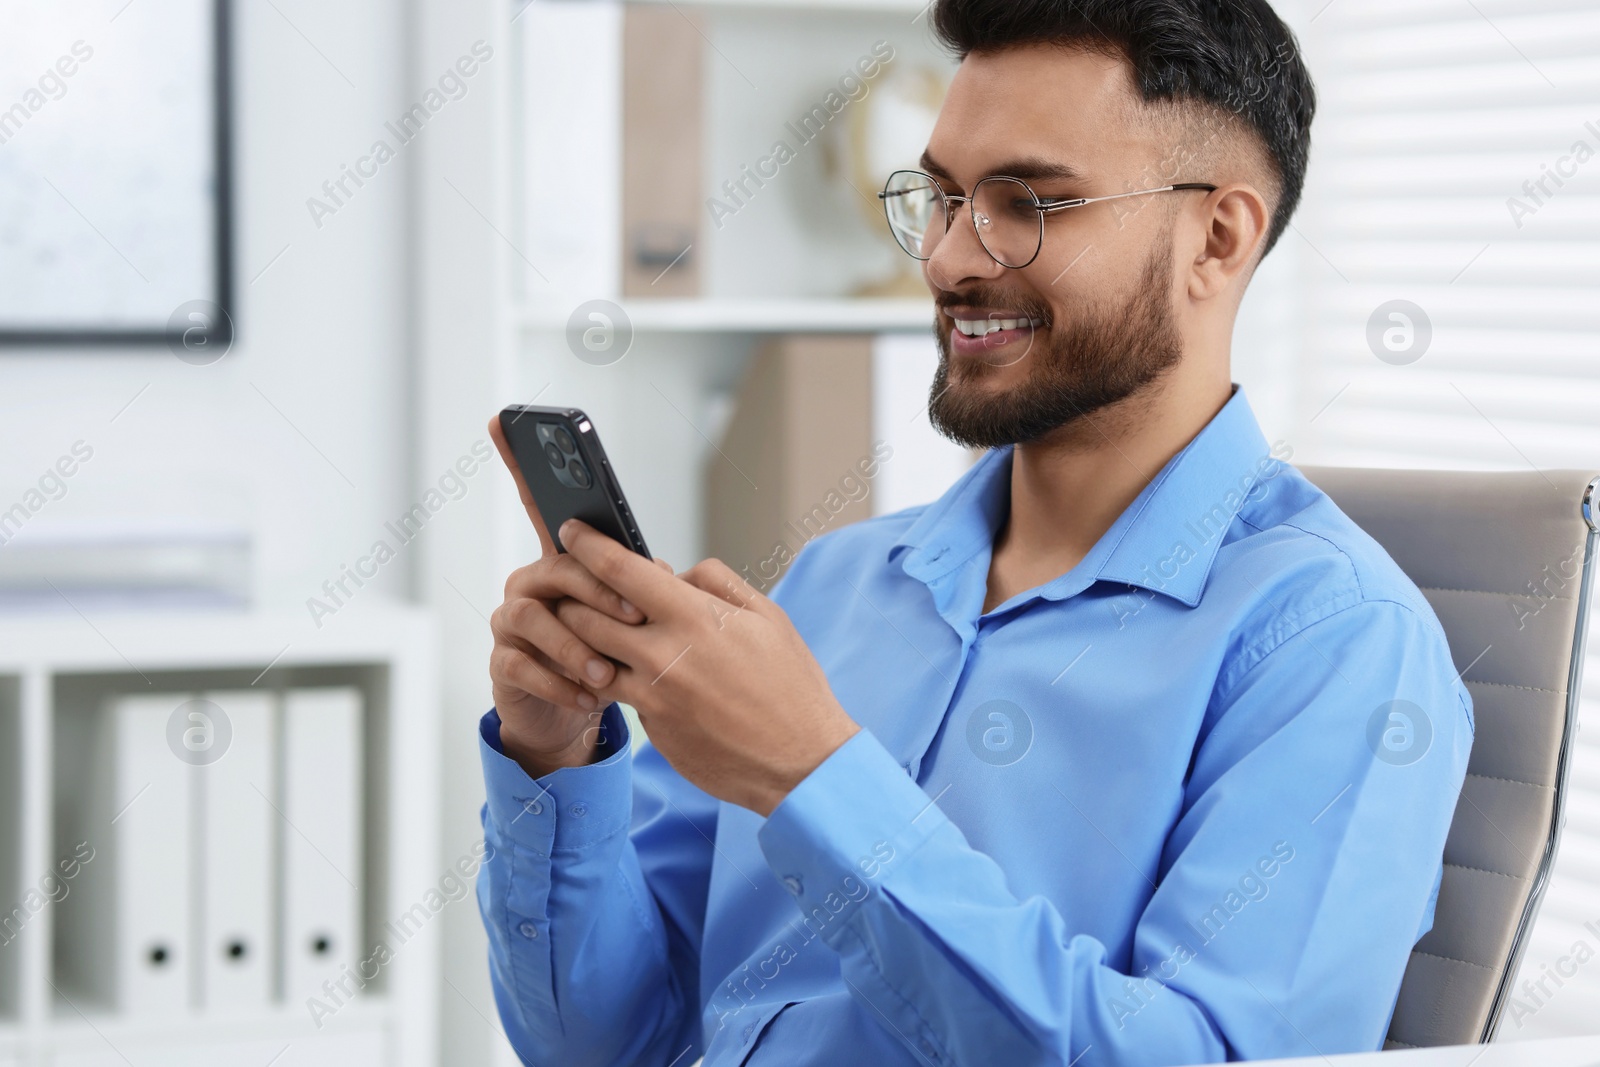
[[1507, 561]]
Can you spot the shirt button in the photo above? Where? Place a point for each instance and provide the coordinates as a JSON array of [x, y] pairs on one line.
[[793, 883], [749, 1030], [528, 930], [579, 810], [928, 1050]]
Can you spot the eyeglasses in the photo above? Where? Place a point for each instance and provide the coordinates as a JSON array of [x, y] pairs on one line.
[[1006, 213]]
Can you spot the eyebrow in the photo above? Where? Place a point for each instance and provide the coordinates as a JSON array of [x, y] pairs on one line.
[[1028, 168]]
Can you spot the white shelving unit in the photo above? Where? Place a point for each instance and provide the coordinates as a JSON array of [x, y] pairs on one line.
[[759, 316], [48, 664], [785, 264]]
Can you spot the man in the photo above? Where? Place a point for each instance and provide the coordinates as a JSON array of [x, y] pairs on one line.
[[1131, 748]]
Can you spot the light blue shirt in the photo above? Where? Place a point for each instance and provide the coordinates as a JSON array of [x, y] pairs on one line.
[[1185, 803]]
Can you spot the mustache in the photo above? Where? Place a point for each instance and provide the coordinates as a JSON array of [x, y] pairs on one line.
[[988, 296]]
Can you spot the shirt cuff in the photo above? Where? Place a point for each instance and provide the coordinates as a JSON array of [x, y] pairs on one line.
[[849, 822], [570, 808]]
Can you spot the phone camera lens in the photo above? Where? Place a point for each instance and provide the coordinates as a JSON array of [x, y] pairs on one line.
[[553, 454], [580, 473], [564, 439]]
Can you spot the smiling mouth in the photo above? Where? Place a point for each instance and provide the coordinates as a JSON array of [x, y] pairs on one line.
[[984, 327]]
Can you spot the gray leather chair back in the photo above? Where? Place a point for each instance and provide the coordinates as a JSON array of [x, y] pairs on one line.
[[1507, 561]]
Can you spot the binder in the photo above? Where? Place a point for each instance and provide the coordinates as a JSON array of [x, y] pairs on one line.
[[236, 825], [662, 134], [321, 843], [148, 806]]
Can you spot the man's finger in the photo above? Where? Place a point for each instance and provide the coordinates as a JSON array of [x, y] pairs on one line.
[[720, 580], [643, 584], [563, 575], [625, 643], [535, 624], [497, 434], [523, 671]]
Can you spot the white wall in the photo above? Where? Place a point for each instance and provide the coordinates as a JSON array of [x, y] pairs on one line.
[[321, 332], [462, 227], [342, 328]]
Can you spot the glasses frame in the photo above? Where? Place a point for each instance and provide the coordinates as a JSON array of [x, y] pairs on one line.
[[1044, 206]]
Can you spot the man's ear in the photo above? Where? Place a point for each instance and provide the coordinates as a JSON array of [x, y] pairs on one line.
[[1237, 219]]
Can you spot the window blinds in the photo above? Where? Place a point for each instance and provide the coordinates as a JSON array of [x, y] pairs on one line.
[[1456, 167]]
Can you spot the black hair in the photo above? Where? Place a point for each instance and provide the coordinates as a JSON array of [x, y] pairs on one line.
[[1236, 56]]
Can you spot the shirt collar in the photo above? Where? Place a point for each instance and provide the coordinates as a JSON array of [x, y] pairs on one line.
[[1165, 541]]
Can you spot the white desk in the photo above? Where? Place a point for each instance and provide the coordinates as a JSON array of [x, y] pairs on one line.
[[1551, 1052]]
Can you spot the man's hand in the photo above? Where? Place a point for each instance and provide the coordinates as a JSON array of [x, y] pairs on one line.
[[543, 676], [718, 674]]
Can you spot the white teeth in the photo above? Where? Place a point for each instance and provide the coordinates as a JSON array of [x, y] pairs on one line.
[[982, 327]]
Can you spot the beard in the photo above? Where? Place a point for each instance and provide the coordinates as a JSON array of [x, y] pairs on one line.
[[1104, 357]]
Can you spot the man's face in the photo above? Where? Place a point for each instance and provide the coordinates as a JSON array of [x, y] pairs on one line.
[[1094, 310]]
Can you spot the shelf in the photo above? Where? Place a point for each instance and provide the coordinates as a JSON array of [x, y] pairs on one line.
[[55, 669], [759, 316], [118, 639], [283, 1021]]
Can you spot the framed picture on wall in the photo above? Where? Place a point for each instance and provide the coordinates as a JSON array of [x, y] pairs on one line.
[[115, 191]]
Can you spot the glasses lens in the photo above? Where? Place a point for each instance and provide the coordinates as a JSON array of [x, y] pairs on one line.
[[916, 211], [1008, 219]]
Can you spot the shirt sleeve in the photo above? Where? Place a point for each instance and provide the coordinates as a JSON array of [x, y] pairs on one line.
[[1289, 895], [593, 893]]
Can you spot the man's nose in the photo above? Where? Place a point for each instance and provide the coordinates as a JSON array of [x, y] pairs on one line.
[[960, 256]]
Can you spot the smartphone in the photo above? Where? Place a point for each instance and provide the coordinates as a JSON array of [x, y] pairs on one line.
[[566, 469]]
